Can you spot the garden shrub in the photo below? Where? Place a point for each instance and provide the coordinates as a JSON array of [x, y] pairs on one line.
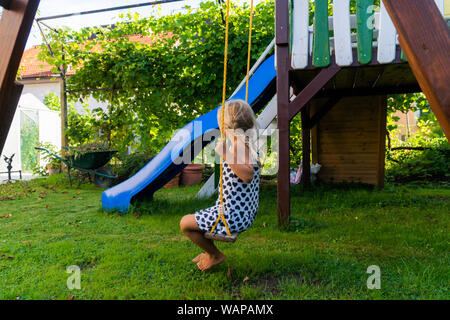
[[93, 147], [207, 172], [47, 158], [129, 164], [83, 127], [423, 157]]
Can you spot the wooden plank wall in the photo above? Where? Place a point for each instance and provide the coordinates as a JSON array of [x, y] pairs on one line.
[[349, 141]]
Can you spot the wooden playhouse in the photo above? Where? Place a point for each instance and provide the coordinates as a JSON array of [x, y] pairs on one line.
[[341, 69]]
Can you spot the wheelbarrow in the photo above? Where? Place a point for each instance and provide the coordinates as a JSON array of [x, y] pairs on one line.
[[89, 163]]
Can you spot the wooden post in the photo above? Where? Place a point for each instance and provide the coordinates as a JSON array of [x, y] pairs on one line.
[[283, 87], [306, 148], [425, 40], [63, 99], [15, 27]]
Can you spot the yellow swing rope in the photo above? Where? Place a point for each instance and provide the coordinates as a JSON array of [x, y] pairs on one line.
[[225, 65]]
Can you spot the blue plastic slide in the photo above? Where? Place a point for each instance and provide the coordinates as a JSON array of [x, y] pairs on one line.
[[186, 144]]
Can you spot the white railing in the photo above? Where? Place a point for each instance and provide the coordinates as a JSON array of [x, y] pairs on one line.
[[344, 41]]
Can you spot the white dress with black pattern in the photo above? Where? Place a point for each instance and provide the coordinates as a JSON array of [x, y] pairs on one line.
[[240, 202]]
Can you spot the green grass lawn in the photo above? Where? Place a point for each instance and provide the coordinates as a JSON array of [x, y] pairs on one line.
[[45, 226]]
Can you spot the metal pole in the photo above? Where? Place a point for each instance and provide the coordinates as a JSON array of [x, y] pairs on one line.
[[138, 5], [63, 88]]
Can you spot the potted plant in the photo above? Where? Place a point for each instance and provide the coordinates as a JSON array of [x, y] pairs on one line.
[[174, 182], [53, 166], [192, 174]]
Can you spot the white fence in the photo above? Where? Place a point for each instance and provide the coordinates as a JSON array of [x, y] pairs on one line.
[[385, 36]]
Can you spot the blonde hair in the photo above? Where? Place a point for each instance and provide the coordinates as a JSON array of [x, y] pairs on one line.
[[240, 119]]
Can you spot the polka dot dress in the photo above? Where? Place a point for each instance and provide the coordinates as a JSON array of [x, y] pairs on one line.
[[240, 202]]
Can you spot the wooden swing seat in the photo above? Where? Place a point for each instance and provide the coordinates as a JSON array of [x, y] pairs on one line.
[[221, 237]]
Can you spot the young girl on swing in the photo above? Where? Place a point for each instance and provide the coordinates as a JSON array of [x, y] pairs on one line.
[[240, 184]]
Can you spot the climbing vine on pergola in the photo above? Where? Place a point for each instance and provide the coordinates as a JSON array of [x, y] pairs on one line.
[[164, 82]]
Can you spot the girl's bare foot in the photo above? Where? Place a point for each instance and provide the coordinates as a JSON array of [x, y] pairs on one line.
[[207, 261], [197, 258]]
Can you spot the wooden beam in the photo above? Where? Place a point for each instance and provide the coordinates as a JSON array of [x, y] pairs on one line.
[[425, 39], [282, 22], [5, 4], [306, 148], [312, 89], [358, 92], [314, 135], [64, 112], [356, 64], [283, 95], [9, 98], [15, 27]]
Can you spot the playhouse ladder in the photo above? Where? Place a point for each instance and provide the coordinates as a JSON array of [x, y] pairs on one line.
[[15, 24], [425, 38]]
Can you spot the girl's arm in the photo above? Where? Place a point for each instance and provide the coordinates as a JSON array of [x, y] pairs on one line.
[[238, 159]]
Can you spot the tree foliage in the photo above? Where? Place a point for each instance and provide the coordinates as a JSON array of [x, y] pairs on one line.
[[83, 127], [154, 87], [423, 156], [412, 102]]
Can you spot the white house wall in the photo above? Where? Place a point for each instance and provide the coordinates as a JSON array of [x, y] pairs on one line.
[[41, 89]]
